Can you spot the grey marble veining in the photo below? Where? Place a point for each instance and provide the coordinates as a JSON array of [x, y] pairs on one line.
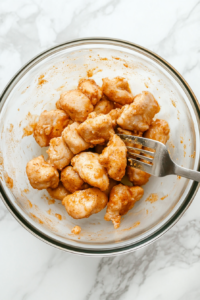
[[168, 268]]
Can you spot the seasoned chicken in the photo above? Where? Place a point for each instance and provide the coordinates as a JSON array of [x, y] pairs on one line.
[[59, 153], [90, 89], [71, 180], [75, 104], [122, 199], [50, 125], [114, 114], [158, 131], [73, 139], [113, 158], [117, 90], [41, 175], [96, 129], [137, 176], [83, 204], [76, 229], [90, 170], [112, 183], [139, 114], [58, 193], [104, 106]]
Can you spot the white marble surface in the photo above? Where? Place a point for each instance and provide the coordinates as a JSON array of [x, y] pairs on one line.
[[167, 269]]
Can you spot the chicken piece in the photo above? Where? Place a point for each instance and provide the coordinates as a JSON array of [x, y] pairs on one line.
[[117, 90], [114, 114], [113, 158], [75, 104], [73, 139], [137, 176], [71, 180], [130, 143], [104, 106], [58, 193], [83, 204], [90, 170], [76, 229], [138, 115], [158, 131], [96, 129], [122, 199], [90, 89], [59, 153], [50, 125], [41, 175], [112, 183]]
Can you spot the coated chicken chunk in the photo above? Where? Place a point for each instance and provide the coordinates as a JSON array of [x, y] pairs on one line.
[[114, 114], [59, 153], [50, 125], [90, 89], [71, 180], [117, 90], [137, 176], [73, 139], [159, 131], [139, 114], [58, 193], [112, 183], [104, 106], [122, 199], [96, 129], [113, 158], [76, 229], [87, 165], [41, 175], [75, 104], [83, 204]]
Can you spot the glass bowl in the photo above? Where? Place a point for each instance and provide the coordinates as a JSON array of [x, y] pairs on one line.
[[37, 86]]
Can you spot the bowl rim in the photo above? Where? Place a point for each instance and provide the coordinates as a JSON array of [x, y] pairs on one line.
[[177, 215]]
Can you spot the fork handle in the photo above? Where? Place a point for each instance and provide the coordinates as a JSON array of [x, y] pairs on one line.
[[187, 173]]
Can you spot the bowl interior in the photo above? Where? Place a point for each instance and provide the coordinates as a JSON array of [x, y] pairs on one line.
[[62, 68]]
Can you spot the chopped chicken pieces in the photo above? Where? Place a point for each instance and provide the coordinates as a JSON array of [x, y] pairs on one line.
[[90, 89], [137, 176], [75, 104], [113, 158], [71, 180], [117, 90], [87, 165], [114, 114], [76, 229], [104, 106], [96, 129], [73, 139], [51, 124], [58, 193], [83, 204], [59, 153], [122, 199], [158, 131], [138, 115], [41, 175]]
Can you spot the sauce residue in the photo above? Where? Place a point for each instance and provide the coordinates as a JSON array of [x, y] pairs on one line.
[[136, 224], [178, 177], [152, 198], [41, 81], [30, 204], [173, 103], [11, 128], [90, 72], [164, 197], [29, 129], [34, 216], [125, 65], [146, 85], [193, 155], [58, 216], [9, 181], [51, 201], [103, 58], [76, 229], [49, 211]]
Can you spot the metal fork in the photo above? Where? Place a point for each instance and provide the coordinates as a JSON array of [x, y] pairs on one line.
[[160, 163]]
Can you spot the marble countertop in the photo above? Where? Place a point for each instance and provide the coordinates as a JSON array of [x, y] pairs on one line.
[[170, 267]]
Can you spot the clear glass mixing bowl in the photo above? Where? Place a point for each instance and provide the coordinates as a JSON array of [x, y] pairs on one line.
[[24, 99]]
